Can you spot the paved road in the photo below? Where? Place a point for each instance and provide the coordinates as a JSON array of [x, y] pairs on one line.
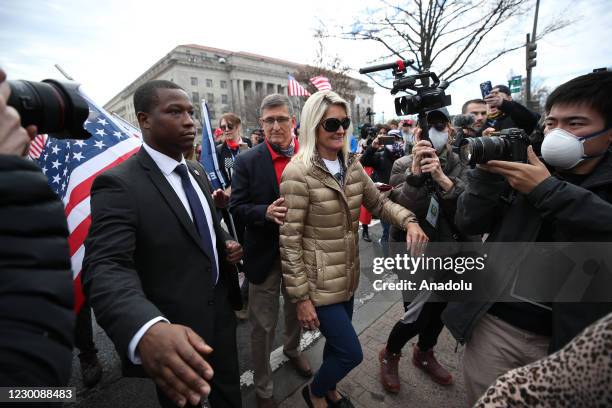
[[117, 392]]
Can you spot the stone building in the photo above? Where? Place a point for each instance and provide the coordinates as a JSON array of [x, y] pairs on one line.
[[230, 82]]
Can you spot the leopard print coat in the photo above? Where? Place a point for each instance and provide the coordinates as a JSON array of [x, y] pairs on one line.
[[579, 375]]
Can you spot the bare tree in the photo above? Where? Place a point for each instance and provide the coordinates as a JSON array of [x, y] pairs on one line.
[[445, 34], [329, 66]]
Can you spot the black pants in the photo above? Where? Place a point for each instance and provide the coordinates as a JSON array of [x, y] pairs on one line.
[[428, 326], [225, 385], [83, 332]]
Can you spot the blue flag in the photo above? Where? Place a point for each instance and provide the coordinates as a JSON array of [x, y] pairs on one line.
[[208, 157]]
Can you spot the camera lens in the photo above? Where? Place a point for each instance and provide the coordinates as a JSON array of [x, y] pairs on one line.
[[479, 150], [54, 107]]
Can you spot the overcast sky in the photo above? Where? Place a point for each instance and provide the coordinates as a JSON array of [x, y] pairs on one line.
[[105, 45]]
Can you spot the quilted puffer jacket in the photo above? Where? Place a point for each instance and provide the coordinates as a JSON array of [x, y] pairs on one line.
[[319, 241]]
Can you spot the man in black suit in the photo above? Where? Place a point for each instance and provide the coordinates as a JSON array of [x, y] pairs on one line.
[[158, 269], [255, 203]]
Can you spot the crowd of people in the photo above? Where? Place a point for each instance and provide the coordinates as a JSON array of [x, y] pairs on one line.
[[166, 279]]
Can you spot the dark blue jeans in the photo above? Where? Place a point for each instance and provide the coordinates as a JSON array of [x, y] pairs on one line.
[[342, 350]]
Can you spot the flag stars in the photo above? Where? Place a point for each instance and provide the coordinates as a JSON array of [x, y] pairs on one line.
[[78, 156], [56, 179], [99, 144], [55, 164], [117, 134], [80, 143], [102, 121], [100, 132], [55, 149], [65, 171], [63, 185], [44, 170]]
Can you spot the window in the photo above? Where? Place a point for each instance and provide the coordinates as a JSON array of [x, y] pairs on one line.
[[209, 83], [194, 81], [195, 97], [224, 99], [223, 84], [210, 97]]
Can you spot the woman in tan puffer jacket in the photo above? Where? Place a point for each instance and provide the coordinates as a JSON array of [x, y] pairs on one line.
[[323, 187]]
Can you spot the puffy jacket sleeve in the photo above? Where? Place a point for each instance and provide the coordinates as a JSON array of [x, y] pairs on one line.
[[294, 190], [378, 204]]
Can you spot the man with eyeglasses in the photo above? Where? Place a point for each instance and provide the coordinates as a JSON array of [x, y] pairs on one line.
[[255, 203]]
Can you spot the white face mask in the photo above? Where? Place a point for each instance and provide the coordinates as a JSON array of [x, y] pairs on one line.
[[438, 138], [564, 150]]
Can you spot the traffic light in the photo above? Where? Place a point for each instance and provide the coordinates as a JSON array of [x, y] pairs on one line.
[[531, 54]]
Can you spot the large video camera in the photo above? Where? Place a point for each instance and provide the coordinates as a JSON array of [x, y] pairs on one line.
[[507, 145], [53, 106], [428, 87]]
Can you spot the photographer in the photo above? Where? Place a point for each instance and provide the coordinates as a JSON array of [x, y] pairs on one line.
[[381, 157], [504, 113], [36, 294], [412, 191], [571, 201]]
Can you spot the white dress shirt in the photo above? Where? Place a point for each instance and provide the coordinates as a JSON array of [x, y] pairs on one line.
[[167, 165]]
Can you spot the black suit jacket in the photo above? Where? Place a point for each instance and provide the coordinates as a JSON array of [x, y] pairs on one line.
[[254, 188], [144, 257]]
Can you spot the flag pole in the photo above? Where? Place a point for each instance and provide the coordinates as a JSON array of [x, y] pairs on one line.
[[64, 73]]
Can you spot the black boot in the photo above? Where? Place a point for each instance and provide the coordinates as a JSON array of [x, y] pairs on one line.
[[365, 235]]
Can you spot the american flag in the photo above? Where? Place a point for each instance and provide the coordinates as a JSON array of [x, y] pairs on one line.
[[71, 167], [295, 89], [321, 83], [36, 146]]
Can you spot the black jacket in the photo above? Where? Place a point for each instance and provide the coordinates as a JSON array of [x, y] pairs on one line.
[[578, 213], [36, 287], [226, 159], [144, 257], [254, 188], [382, 162], [514, 115]]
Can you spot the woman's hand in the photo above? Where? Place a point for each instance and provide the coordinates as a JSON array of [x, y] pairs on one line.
[[420, 150], [416, 239], [432, 165], [307, 315]]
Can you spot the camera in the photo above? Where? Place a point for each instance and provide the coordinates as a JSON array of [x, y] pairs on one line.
[[429, 90], [427, 97], [507, 145], [53, 106]]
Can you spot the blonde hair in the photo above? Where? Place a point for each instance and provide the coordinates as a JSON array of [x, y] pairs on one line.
[[313, 112]]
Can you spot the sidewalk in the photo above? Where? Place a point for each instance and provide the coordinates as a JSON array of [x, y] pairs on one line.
[[363, 386]]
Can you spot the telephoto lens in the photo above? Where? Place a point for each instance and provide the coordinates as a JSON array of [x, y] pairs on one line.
[[479, 150], [53, 106], [507, 145]]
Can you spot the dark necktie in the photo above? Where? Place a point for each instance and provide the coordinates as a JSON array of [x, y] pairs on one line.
[[199, 217]]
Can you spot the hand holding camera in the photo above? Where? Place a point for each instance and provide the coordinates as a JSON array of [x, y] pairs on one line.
[[522, 177], [14, 139]]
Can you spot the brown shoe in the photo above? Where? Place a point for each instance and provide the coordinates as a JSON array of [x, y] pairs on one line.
[[301, 365], [266, 402], [389, 376], [426, 361]]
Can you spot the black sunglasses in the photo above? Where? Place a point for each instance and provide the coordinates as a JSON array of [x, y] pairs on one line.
[[228, 127], [333, 124]]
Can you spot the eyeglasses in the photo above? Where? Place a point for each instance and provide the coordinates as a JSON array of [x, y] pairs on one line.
[[282, 120], [224, 127], [333, 124]]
